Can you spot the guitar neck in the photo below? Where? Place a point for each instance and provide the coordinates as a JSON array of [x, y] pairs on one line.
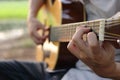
[[64, 33]]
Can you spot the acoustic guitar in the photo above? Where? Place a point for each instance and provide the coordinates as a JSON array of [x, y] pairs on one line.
[[57, 12], [54, 51]]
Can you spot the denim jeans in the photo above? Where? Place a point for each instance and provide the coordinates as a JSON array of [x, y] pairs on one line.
[[17, 70]]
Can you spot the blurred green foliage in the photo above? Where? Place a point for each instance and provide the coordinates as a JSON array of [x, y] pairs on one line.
[[12, 9]]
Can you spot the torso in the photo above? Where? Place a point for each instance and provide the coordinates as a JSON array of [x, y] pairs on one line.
[[104, 8]]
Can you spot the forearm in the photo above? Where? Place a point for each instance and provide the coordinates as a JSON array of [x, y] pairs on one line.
[[113, 71], [34, 6]]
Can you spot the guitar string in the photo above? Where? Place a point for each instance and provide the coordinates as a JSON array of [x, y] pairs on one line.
[[77, 24], [108, 38], [110, 35], [89, 26], [113, 34], [105, 32], [106, 25]]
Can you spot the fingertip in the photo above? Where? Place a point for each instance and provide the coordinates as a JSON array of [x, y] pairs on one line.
[[81, 27], [92, 39]]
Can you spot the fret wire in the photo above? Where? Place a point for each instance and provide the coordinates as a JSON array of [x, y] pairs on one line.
[[88, 26], [71, 37], [74, 24], [74, 28]]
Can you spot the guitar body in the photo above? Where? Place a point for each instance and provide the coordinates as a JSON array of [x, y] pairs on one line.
[[55, 54]]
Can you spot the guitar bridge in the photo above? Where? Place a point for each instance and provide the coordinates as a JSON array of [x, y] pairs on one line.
[[102, 30]]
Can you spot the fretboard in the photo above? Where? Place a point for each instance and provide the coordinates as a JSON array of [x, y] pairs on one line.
[[64, 33]]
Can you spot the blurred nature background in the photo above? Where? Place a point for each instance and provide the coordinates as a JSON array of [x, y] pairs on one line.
[[15, 42]]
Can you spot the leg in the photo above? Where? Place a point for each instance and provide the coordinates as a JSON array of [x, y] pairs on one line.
[[15, 70]]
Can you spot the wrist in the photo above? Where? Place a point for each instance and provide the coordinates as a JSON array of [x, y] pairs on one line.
[[31, 16], [31, 19]]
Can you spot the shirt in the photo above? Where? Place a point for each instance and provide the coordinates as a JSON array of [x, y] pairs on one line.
[[101, 8], [95, 9]]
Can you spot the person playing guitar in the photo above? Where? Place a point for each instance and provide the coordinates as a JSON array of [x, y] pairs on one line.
[[100, 56], [94, 11]]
